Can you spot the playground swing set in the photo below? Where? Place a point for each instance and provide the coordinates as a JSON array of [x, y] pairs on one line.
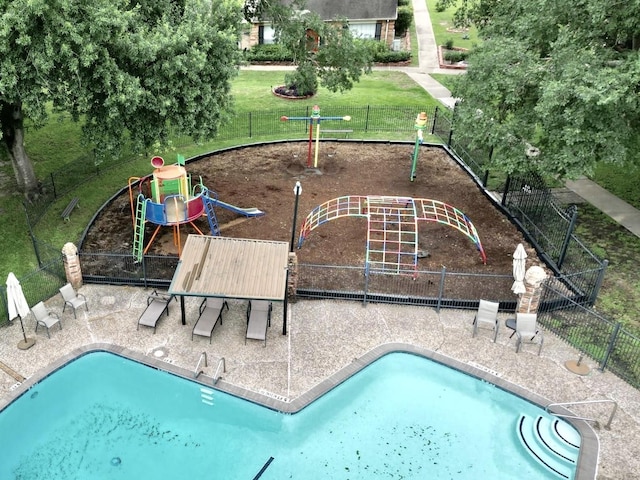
[[171, 201]]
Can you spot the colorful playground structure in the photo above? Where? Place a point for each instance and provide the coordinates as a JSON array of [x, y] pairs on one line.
[[167, 198], [420, 125], [314, 119], [392, 230]]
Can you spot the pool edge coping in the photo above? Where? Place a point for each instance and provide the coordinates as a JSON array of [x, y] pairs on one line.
[[586, 465]]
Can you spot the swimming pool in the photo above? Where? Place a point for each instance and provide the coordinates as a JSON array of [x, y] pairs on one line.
[[104, 416]]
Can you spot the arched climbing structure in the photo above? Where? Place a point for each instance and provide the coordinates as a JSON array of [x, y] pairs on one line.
[[392, 227]]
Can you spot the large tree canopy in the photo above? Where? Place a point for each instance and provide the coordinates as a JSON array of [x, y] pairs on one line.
[[129, 69], [561, 79], [338, 60]]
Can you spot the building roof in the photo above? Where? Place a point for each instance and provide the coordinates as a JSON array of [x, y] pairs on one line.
[[232, 268], [354, 9]]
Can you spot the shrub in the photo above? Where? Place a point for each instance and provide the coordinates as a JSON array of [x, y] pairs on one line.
[[392, 57], [454, 56], [268, 53], [404, 3], [448, 44], [403, 22]]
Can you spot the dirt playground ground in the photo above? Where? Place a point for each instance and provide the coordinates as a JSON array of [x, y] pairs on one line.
[[264, 177]]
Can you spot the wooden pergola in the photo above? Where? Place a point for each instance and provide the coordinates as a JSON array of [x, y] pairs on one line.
[[232, 268]]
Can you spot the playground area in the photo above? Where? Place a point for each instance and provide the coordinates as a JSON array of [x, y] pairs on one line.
[[264, 178]]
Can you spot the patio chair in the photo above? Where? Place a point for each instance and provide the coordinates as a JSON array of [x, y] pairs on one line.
[[258, 319], [73, 299], [157, 304], [527, 331], [210, 312], [487, 315], [45, 318]]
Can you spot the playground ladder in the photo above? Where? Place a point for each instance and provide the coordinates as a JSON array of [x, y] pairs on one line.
[[392, 235], [209, 203], [138, 234]]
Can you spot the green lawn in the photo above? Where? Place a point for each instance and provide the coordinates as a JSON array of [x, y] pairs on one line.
[[444, 30]]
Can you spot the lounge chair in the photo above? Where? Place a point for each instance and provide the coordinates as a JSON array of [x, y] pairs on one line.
[[73, 299], [258, 319], [157, 304], [527, 331], [487, 315], [210, 312], [44, 317]]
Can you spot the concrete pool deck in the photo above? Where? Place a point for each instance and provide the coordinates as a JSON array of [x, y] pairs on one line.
[[324, 337]]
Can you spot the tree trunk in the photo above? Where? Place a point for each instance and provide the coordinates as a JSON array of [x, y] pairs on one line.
[[13, 137]]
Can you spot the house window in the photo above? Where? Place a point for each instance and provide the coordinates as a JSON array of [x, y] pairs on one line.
[[266, 35], [365, 30]]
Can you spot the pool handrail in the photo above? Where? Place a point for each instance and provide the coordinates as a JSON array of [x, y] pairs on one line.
[[217, 377], [198, 370], [584, 402]]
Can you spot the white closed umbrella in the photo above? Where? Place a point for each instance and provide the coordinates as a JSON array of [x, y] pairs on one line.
[[519, 267], [18, 307]]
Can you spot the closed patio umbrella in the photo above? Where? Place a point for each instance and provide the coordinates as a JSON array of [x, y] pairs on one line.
[[519, 266], [18, 307]]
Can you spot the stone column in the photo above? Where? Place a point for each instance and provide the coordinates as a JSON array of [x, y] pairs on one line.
[[529, 300], [293, 277], [72, 265]]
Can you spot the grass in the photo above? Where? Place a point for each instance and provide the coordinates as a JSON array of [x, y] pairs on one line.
[[58, 143], [444, 30]]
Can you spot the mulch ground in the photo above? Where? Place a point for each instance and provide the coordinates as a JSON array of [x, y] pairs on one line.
[[265, 176]]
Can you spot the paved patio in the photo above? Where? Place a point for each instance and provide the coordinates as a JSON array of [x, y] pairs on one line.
[[324, 337]]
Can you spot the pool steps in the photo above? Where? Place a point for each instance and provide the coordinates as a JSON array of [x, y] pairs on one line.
[[206, 396], [551, 442]]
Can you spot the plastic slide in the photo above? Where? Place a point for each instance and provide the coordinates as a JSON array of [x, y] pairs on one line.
[[247, 212]]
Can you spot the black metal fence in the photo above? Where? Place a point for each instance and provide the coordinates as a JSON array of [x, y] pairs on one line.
[[41, 284], [550, 226], [529, 203], [605, 341], [437, 289]]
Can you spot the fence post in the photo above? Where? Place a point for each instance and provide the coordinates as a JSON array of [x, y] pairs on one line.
[[598, 285], [366, 284], [567, 237], [441, 291], [53, 185], [507, 185], [144, 271], [435, 120], [366, 121], [612, 342], [31, 235], [250, 129], [450, 137]]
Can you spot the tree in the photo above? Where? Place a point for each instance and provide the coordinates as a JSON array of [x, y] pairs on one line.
[[561, 79], [128, 69], [337, 59]]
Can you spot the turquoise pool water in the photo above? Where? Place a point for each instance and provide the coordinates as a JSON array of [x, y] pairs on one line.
[[402, 417]]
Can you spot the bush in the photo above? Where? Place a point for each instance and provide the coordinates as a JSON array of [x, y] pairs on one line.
[[268, 53], [392, 57], [454, 56], [404, 3], [449, 43], [403, 22]]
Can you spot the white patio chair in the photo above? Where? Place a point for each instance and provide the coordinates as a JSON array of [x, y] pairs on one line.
[[527, 331], [487, 315], [73, 299]]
